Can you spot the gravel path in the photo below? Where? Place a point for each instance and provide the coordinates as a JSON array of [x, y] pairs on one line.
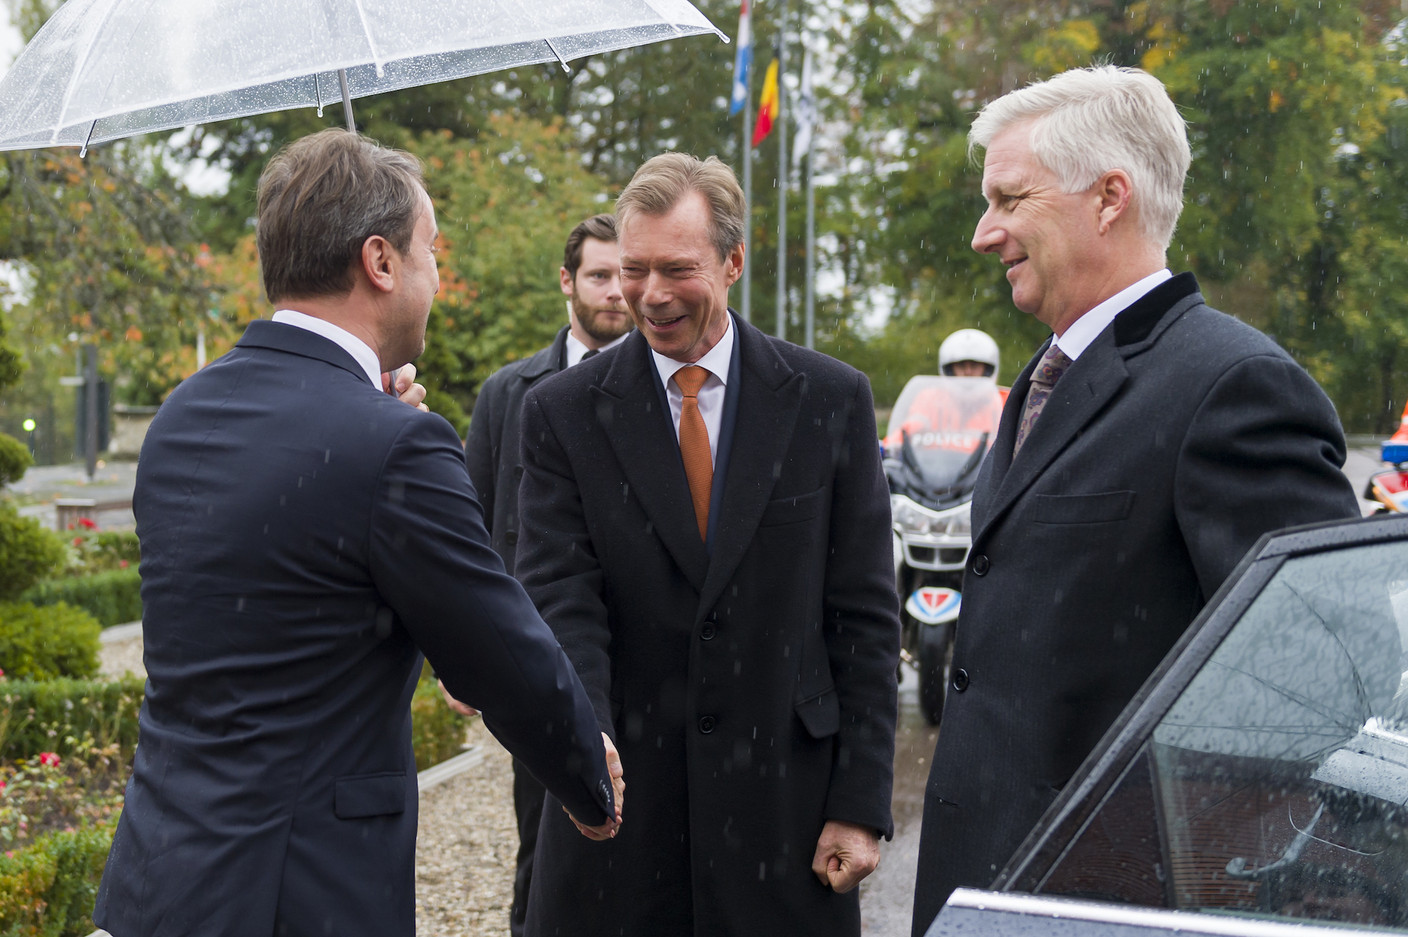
[[467, 838]]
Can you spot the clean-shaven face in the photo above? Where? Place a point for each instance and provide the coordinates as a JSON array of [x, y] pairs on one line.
[[1041, 234], [674, 281]]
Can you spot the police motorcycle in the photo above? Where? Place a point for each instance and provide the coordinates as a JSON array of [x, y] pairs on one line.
[[1389, 487], [939, 431]]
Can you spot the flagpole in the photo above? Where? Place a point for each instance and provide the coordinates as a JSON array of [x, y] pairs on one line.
[[748, 202], [741, 99], [783, 174], [806, 127], [811, 248]]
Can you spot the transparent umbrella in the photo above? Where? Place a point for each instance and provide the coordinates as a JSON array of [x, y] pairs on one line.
[[105, 69]]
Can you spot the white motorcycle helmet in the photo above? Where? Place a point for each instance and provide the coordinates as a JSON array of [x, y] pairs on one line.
[[969, 345]]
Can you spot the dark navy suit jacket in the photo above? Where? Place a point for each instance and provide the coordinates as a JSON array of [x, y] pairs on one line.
[[304, 538]]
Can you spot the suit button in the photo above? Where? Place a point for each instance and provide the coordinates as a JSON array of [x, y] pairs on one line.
[[511, 537], [708, 631], [981, 565], [960, 680], [706, 724]]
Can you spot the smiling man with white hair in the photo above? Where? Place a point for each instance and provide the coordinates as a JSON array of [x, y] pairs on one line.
[[1142, 451]]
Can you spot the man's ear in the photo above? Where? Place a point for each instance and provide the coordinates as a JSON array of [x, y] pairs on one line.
[[379, 263], [565, 279], [734, 263], [1116, 192]]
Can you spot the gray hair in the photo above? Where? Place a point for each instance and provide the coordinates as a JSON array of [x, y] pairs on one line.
[[320, 199], [1088, 121], [663, 180]]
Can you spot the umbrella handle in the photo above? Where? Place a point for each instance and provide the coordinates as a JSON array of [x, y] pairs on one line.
[[346, 99]]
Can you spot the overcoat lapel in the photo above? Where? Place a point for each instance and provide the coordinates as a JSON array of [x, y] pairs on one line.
[[1083, 391], [643, 439], [770, 397]]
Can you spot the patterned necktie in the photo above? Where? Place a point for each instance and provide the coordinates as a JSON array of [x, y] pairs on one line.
[[1053, 364], [694, 444]]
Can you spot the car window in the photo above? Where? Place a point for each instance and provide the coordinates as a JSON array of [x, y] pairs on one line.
[[1276, 784]]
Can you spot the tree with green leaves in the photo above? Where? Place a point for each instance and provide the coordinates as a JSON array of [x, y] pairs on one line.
[[505, 204]]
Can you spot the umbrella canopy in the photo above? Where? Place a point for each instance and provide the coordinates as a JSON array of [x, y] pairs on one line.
[[105, 69]]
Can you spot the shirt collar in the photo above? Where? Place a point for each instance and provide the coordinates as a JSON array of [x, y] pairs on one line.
[[1084, 330], [716, 360], [354, 346], [575, 349]]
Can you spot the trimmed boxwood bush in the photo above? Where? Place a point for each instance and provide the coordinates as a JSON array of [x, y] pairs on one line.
[[14, 459], [54, 641], [113, 597], [60, 715], [28, 552], [48, 888]]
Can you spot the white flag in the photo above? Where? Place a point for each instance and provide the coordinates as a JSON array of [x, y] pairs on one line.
[[806, 112]]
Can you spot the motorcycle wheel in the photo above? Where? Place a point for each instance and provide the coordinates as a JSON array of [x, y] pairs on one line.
[[935, 661]]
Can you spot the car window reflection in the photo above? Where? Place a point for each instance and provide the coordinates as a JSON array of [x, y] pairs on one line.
[[1276, 785]]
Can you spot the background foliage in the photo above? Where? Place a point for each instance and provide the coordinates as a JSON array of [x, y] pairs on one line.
[[1294, 220]]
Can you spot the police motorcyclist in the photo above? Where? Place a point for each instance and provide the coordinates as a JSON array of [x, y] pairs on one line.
[[936, 410], [968, 353]]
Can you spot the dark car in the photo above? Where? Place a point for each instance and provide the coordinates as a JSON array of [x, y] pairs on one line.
[[1258, 784]]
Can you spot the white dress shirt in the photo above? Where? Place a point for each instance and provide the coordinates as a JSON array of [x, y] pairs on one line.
[[711, 395], [575, 349], [1084, 330], [345, 340]]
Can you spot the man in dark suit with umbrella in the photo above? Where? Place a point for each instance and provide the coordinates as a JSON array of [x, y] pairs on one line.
[[1141, 453], [305, 537], [707, 529], [597, 319]]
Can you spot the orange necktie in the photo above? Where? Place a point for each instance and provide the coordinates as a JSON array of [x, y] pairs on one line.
[[694, 444]]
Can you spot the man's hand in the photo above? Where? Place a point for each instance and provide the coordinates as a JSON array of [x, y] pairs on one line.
[[845, 854], [606, 830], [407, 390], [455, 704]]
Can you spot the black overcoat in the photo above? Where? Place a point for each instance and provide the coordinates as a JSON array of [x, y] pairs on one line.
[[1175, 440], [750, 687], [492, 452]]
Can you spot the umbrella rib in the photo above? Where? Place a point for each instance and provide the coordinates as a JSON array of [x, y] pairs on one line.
[[669, 21], [80, 62], [560, 60], [367, 31], [83, 150]]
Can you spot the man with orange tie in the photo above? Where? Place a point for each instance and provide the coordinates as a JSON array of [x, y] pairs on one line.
[[705, 526]]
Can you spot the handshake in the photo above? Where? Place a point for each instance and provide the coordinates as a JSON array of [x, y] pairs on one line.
[[606, 830]]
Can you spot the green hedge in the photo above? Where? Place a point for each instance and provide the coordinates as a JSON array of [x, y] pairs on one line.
[[59, 715], [40, 643], [113, 597], [437, 732], [48, 715], [48, 888]]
